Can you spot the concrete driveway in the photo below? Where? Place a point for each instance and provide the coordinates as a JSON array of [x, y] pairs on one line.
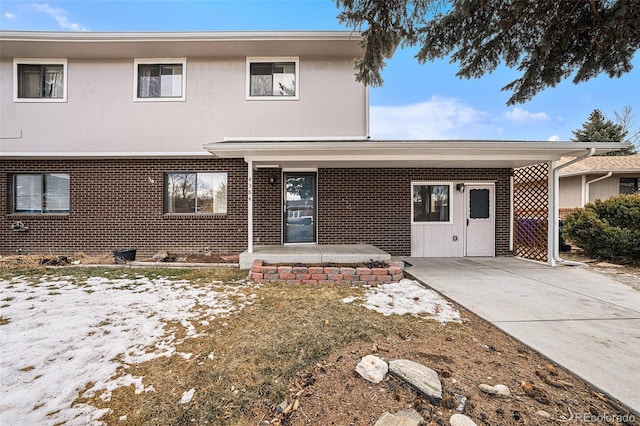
[[580, 319]]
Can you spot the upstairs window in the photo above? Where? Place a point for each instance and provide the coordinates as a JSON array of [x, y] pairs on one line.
[[40, 80], [272, 78], [196, 193], [41, 193], [160, 79]]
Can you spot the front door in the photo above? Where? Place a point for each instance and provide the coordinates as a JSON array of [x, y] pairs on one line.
[[299, 207], [480, 222]]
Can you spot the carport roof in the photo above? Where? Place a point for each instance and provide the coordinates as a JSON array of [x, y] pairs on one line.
[[363, 153]]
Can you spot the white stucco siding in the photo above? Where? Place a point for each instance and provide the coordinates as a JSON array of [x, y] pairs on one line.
[[101, 115]]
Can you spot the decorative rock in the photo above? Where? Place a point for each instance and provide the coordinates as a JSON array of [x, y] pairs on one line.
[[544, 414], [487, 388], [501, 390], [461, 420], [372, 368], [462, 402], [421, 378], [187, 396], [408, 417]]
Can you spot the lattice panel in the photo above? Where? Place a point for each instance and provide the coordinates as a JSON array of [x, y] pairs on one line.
[[531, 211]]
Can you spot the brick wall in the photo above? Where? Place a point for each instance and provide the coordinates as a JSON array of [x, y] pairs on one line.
[[361, 206], [113, 204], [267, 207]]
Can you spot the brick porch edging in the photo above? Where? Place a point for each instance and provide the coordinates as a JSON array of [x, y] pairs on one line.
[[261, 273]]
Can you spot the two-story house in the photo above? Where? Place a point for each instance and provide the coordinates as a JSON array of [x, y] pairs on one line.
[[219, 141]]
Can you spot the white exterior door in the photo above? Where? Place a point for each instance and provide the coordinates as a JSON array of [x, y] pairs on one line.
[[480, 220]]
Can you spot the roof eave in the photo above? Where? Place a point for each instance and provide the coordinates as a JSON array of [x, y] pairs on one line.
[[336, 151]]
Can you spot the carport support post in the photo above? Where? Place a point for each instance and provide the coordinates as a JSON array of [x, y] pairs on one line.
[[554, 199], [250, 206]]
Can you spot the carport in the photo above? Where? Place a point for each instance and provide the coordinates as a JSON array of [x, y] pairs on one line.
[[450, 166]]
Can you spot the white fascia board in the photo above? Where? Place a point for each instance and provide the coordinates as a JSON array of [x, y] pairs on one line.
[[88, 155], [178, 35], [397, 150], [293, 139]]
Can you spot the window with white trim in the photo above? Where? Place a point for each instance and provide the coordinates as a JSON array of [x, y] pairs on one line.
[[272, 78], [40, 193], [160, 79], [40, 80], [196, 193], [431, 202]]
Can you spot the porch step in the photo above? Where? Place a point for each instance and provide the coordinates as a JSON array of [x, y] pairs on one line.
[[313, 254]]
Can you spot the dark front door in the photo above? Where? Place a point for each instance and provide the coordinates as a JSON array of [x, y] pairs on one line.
[[299, 207]]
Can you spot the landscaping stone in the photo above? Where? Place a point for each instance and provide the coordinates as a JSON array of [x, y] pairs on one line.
[[408, 417], [421, 378], [462, 402], [542, 413], [498, 389], [372, 368], [461, 420], [502, 390]]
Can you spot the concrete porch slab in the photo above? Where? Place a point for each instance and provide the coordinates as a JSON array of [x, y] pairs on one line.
[[313, 253]]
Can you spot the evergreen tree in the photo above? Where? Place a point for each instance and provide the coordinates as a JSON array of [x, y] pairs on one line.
[[547, 40], [600, 129]]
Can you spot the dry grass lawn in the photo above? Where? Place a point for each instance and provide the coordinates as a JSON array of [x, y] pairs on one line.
[[302, 342]]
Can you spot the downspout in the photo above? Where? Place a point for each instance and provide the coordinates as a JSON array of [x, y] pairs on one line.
[[586, 185], [249, 206], [555, 223]]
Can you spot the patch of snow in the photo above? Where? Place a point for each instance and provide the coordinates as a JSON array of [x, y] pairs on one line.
[[65, 338], [410, 297]]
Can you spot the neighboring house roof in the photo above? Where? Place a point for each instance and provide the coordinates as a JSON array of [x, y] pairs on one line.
[[203, 44], [595, 165]]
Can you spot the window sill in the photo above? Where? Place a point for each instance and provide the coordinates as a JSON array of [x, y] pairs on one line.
[[181, 99], [40, 100], [182, 216], [41, 216], [273, 98]]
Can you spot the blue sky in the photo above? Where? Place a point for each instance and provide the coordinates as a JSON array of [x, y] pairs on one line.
[[416, 101]]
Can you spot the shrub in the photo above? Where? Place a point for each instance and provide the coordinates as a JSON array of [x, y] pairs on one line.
[[608, 229]]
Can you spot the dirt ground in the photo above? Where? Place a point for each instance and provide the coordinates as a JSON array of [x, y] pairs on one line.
[[477, 353]]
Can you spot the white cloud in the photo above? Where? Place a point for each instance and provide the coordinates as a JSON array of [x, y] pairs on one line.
[[554, 138], [61, 16], [9, 15], [521, 116], [437, 118]]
